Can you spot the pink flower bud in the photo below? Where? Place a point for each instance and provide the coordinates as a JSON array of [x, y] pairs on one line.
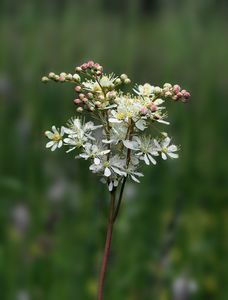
[[78, 88], [90, 63], [176, 88], [77, 101], [143, 110], [179, 95], [187, 95], [153, 107], [61, 78], [84, 66]]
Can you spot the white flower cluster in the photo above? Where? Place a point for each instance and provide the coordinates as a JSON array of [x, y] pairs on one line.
[[125, 135]]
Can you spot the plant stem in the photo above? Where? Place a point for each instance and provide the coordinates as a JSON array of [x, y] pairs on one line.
[[107, 247], [119, 200]]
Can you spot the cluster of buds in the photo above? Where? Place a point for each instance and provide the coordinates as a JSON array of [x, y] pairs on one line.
[[62, 77], [175, 92], [90, 67]]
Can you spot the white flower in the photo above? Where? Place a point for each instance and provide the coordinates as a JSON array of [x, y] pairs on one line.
[[145, 147], [106, 81], [94, 152], [144, 90], [166, 149], [118, 133], [56, 138], [128, 107], [115, 166], [79, 133], [133, 173]]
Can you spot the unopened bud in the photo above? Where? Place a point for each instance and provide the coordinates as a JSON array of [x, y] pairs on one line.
[[45, 79], [164, 134], [101, 97], [69, 76], [111, 95], [179, 95], [90, 95], [98, 103], [51, 75], [153, 107], [187, 95], [91, 108], [56, 77], [79, 109], [168, 94], [76, 77], [63, 74], [78, 69], [176, 88], [77, 101], [78, 88], [81, 96], [127, 81], [143, 110], [118, 81], [167, 85], [99, 73], [157, 90], [123, 77]]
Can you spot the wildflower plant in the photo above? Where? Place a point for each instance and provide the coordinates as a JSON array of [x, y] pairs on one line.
[[117, 132]]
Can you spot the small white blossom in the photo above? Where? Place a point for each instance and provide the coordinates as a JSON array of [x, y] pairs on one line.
[[166, 149], [144, 90], [93, 152], [56, 137], [115, 166], [79, 133]]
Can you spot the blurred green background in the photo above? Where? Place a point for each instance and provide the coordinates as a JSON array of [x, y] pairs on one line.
[[170, 239]]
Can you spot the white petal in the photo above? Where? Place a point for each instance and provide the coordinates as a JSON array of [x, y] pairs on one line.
[[97, 161], [54, 129], [152, 160], [163, 122], [146, 159], [107, 172], [173, 155], [166, 142], [131, 145], [84, 155], [158, 101], [104, 152], [118, 171], [60, 143], [49, 134], [135, 179], [164, 156], [172, 148], [62, 130], [113, 120], [110, 186], [54, 147], [141, 124], [49, 144]]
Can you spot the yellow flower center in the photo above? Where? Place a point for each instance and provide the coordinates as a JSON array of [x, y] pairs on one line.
[[56, 137], [120, 116], [165, 150]]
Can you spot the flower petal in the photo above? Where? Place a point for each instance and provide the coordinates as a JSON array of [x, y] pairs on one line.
[[107, 172], [50, 144]]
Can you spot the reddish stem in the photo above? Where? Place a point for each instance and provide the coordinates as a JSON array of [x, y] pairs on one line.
[[107, 247]]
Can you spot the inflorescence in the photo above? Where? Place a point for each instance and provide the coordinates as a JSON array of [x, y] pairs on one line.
[[121, 138]]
